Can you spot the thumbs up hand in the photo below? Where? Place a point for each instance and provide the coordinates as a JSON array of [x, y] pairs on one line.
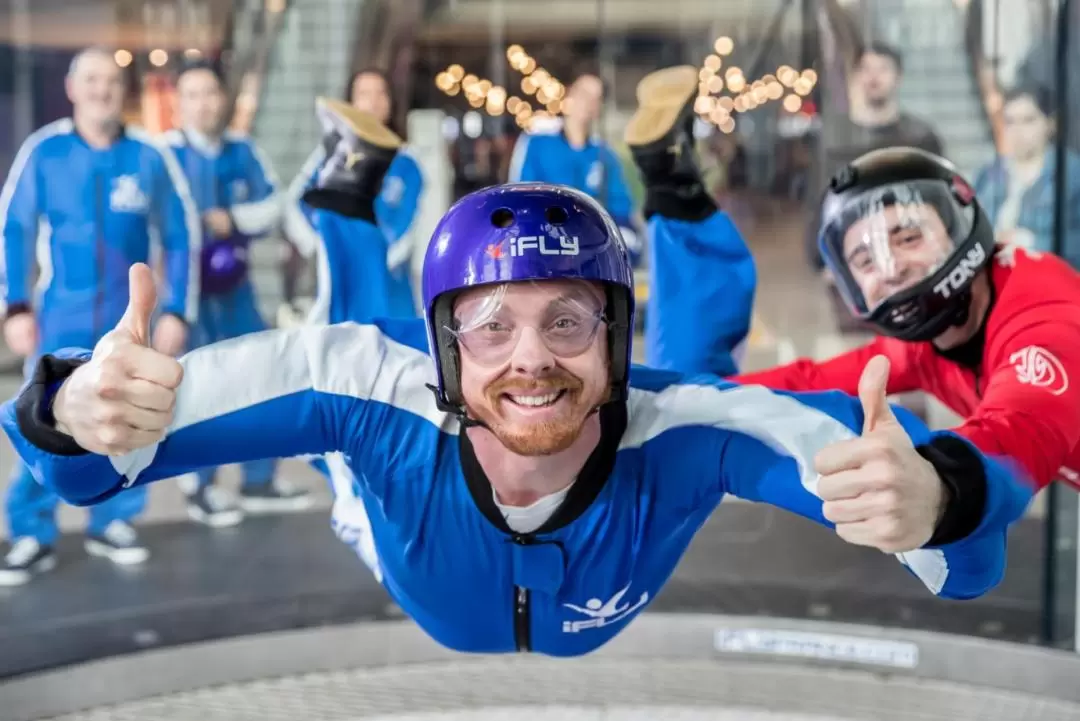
[[876, 488], [123, 398]]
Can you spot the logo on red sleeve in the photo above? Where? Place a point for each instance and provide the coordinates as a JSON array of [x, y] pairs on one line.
[[1039, 367]]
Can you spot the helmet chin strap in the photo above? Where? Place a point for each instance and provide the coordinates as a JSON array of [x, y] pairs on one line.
[[459, 411]]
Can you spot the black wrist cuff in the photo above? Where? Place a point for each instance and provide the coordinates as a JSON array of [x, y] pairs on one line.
[[689, 202], [961, 471], [361, 207], [33, 407], [14, 309]]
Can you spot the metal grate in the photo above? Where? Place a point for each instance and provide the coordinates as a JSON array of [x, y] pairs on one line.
[[591, 688]]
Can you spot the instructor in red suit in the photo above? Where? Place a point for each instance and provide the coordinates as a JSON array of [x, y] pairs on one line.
[[993, 332]]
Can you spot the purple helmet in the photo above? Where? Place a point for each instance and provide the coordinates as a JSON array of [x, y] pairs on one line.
[[224, 265], [521, 232]]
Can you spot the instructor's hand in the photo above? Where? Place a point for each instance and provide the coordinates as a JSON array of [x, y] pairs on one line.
[[123, 398], [877, 489]]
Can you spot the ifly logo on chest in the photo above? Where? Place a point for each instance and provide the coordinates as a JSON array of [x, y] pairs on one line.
[[542, 244]]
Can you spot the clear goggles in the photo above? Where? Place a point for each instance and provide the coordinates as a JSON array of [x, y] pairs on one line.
[[565, 316], [885, 241]]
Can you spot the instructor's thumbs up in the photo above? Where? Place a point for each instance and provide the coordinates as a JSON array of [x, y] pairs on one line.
[[123, 398], [876, 488], [142, 299], [873, 385]]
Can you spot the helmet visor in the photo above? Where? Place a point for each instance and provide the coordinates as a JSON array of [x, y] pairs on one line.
[[885, 241]]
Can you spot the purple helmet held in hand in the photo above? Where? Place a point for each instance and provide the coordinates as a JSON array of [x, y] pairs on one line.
[[224, 265], [525, 232]]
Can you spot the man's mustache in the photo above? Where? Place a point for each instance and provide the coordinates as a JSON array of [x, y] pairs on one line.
[[555, 381]]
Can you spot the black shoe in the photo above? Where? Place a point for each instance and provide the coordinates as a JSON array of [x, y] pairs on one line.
[[119, 543], [661, 139], [359, 150], [274, 498], [209, 505], [26, 559]]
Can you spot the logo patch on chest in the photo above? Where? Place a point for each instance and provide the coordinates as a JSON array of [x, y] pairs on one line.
[[599, 613], [126, 196]]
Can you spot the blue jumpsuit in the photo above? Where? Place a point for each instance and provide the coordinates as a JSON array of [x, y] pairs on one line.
[[362, 271], [233, 175], [86, 215], [446, 555], [701, 295], [592, 169]]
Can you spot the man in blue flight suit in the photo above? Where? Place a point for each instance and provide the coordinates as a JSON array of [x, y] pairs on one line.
[[85, 196], [575, 157], [235, 191], [360, 282], [527, 489], [701, 273]]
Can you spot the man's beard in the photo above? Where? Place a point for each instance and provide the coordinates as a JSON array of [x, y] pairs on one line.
[[542, 438]]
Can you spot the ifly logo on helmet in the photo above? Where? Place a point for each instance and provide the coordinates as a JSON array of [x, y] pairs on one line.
[[542, 244], [964, 271]]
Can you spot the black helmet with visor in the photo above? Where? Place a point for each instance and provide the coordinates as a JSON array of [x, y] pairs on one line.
[[904, 237]]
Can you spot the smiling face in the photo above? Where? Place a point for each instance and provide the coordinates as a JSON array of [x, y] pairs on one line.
[[895, 248], [95, 87], [534, 361]]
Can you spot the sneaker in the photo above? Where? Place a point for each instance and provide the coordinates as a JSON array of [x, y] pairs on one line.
[[26, 559], [119, 543], [274, 498], [210, 506]]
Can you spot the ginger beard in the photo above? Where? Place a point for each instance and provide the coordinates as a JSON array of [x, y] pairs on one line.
[[536, 403]]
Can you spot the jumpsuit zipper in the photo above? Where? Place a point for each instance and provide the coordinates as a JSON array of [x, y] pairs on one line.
[[99, 253], [522, 620]]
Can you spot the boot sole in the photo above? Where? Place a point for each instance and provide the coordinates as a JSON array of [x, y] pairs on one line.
[[364, 125], [664, 98]]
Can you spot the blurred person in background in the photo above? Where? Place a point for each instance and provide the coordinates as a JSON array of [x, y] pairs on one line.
[[1039, 68], [1017, 188], [875, 121], [577, 158], [84, 197], [235, 191], [993, 332], [360, 281], [702, 275]]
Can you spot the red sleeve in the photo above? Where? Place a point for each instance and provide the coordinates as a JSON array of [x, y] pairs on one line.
[[842, 372], [1030, 409]]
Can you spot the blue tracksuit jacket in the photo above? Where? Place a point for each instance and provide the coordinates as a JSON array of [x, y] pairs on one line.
[[86, 215]]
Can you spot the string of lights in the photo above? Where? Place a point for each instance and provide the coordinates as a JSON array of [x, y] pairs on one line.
[[711, 105], [714, 107], [537, 83]]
